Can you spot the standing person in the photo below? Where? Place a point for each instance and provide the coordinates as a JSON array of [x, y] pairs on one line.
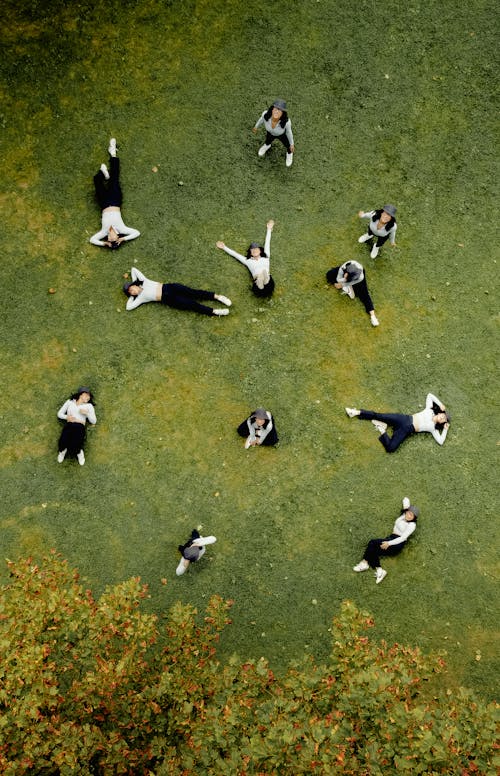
[[141, 290], [404, 526], [278, 126], [434, 419], [382, 226], [109, 196], [351, 279], [257, 262], [75, 411], [259, 429], [193, 550]]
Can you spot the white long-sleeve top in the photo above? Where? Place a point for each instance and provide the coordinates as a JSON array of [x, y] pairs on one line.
[[149, 291], [403, 529], [259, 432], [424, 420], [357, 279], [82, 412], [201, 541], [278, 129], [258, 268], [372, 215], [113, 218]]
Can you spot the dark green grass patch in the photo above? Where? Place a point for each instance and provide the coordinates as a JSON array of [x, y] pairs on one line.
[[388, 103]]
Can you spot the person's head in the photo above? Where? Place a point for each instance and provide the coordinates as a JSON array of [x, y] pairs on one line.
[[351, 272], [259, 416], [83, 395], [132, 288], [191, 553], [113, 239], [411, 514], [255, 251], [277, 111], [441, 418], [388, 212]]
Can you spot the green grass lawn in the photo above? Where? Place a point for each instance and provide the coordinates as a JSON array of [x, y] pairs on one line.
[[390, 102]]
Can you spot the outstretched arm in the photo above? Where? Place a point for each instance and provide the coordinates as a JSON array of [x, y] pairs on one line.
[[230, 252], [267, 243]]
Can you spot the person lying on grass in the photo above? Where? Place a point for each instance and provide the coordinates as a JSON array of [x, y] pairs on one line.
[[257, 263], [404, 526], [108, 191], [75, 411], [434, 419], [141, 290]]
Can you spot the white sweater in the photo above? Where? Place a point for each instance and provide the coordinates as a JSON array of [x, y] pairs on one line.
[[383, 231], [82, 412], [403, 528], [425, 419], [278, 129], [113, 218], [149, 290], [259, 432], [258, 268]]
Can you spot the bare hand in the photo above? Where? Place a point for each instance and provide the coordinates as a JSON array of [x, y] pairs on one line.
[[384, 546], [393, 245], [292, 149], [220, 244], [270, 224], [338, 285], [254, 130], [361, 213]]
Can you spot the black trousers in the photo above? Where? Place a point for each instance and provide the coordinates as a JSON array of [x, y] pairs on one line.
[[374, 550], [271, 438], [402, 426], [184, 298], [360, 289], [72, 438], [282, 138], [109, 193], [380, 240], [266, 291]]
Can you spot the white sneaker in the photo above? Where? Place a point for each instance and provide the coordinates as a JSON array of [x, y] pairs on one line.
[[104, 171], [365, 238], [61, 456], [374, 252], [289, 160], [363, 565], [349, 291], [381, 427], [352, 412], [181, 568], [248, 443], [223, 299], [264, 149], [380, 573], [406, 503], [374, 319], [220, 311], [112, 147], [81, 458]]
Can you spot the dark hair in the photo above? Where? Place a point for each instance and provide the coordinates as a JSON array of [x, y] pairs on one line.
[[126, 286], [283, 119], [262, 251], [114, 245], [404, 511], [77, 394], [437, 411]]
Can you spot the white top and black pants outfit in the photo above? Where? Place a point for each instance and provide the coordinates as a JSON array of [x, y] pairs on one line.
[[400, 534], [383, 233], [259, 268], [403, 425], [267, 433], [282, 132], [109, 194], [172, 294], [73, 434], [356, 281]]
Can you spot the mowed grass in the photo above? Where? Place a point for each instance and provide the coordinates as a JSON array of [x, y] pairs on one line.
[[389, 102]]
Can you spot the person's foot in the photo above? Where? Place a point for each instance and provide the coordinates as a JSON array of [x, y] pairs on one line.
[[289, 160], [248, 443], [374, 319], [349, 291], [374, 252], [363, 565], [223, 299], [352, 411], [264, 149], [81, 458], [104, 171], [61, 456], [380, 573], [220, 311], [381, 427], [112, 147], [364, 238], [406, 503]]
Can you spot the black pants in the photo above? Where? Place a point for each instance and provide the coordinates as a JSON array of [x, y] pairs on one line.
[[374, 550], [184, 298], [109, 193], [360, 289], [266, 291], [72, 438], [380, 240], [402, 426], [282, 138]]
